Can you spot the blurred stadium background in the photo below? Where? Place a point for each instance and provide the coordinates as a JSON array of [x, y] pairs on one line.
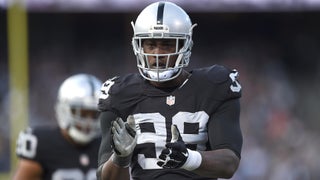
[[275, 45]]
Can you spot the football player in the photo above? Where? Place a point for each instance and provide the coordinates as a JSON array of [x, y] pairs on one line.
[[166, 122], [70, 150]]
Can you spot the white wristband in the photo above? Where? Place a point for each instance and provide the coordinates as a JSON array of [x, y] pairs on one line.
[[193, 162]]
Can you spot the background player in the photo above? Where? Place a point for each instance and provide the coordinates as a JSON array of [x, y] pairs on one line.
[[70, 150], [166, 122]]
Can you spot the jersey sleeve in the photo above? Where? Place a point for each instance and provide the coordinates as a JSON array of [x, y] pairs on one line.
[[120, 94], [223, 96], [224, 81], [27, 145], [105, 149], [224, 128], [105, 95]]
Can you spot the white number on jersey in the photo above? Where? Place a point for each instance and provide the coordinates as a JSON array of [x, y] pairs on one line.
[[106, 87], [74, 174], [157, 140], [235, 86], [27, 144]]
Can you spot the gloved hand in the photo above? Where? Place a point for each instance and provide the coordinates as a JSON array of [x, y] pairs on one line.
[[123, 140], [176, 154]]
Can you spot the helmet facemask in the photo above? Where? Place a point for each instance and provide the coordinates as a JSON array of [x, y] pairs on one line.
[[82, 123], [166, 66], [85, 125]]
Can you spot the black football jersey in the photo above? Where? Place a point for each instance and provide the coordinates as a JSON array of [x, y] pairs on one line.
[[197, 108], [58, 158]]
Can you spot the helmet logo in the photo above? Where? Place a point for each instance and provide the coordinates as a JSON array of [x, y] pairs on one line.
[[171, 100]]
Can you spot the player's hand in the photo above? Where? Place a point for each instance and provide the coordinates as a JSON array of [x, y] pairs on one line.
[[175, 154], [124, 136], [123, 140]]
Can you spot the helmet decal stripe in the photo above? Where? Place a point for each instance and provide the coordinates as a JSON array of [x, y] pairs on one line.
[[91, 85], [160, 13]]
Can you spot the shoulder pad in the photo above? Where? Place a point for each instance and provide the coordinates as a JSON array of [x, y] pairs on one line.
[[121, 85], [120, 93], [220, 80], [218, 74]]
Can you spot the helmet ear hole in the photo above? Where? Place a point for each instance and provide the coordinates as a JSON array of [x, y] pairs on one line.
[[162, 20], [78, 94]]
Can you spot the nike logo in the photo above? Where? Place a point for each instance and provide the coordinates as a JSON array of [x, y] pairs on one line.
[[186, 154]]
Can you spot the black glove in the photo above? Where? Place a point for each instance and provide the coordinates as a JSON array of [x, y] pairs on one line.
[[175, 154]]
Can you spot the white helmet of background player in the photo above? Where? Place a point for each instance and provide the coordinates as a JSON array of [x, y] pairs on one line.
[[162, 20], [76, 107]]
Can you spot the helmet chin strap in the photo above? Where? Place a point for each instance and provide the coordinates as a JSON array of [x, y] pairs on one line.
[[161, 75], [80, 137]]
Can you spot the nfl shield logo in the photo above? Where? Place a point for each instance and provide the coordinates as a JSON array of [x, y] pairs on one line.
[[171, 100]]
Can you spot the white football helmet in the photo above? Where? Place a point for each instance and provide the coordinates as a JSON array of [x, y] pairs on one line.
[[76, 107], [162, 20]]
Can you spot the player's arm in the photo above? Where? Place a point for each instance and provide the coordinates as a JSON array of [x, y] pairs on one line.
[[221, 163], [114, 165], [225, 139], [225, 136], [28, 170]]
